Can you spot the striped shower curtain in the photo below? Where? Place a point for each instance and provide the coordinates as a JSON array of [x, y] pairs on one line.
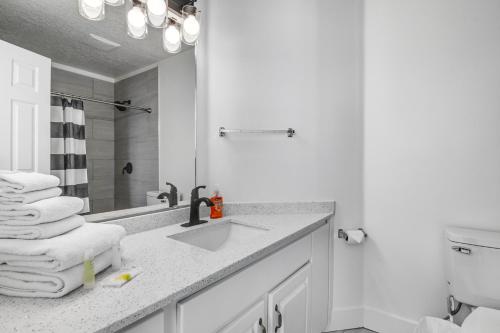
[[68, 157]]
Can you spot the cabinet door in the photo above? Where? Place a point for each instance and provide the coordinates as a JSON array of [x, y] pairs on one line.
[[251, 321], [24, 110], [289, 304]]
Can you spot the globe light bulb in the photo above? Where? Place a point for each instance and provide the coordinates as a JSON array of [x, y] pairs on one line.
[[136, 22], [171, 39], [92, 9], [157, 12], [172, 34], [191, 26], [157, 7]]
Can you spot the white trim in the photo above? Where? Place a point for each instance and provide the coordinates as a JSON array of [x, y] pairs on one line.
[[346, 318], [385, 322], [146, 68], [83, 72], [136, 72]]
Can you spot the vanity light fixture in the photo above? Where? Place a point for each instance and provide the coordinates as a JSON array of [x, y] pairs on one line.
[[91, 9], [180, 25]]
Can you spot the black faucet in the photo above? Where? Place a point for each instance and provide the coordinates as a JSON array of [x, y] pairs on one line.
[[171, 196], [196, 201]]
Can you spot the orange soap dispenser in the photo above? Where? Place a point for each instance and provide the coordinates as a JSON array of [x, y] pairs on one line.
[[216, 211]]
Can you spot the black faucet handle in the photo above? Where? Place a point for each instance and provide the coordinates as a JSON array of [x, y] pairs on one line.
[[195, 193], [173, 188]]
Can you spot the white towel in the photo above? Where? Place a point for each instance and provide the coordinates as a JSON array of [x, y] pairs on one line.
[[18, 199], [22, 182], [61, 252], [43, 211], [42, 231], [29, 282]]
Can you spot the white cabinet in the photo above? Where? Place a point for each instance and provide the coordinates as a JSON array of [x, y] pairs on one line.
[[252, 320], [288, 308], [212, 309], [289, 304], [24, 110]]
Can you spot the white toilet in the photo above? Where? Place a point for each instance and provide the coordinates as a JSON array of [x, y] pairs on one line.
[[473, 266], [473, 273]]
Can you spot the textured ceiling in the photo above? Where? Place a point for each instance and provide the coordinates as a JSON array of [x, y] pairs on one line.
[[54, 28]]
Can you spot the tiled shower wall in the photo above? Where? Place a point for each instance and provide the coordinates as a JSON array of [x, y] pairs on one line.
[[136, 135], [99, 129]]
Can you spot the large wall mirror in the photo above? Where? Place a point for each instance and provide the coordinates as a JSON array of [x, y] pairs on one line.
[[119, 158]]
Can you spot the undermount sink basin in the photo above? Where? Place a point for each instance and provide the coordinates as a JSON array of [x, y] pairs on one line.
[[219, 236]]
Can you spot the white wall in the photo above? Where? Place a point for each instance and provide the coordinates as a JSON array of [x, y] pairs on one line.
[[432, 139], [176, 121], [280, 64]]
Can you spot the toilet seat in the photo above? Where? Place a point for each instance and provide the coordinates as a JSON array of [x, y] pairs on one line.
[[482, 320]]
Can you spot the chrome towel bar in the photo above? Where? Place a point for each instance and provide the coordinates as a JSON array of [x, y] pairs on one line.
[[290, 132]]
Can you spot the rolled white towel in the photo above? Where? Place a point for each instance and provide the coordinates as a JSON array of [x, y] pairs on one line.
[[43, 211], [22, 182], [30, 282], [42, 231], [61, 252], [14, 200]]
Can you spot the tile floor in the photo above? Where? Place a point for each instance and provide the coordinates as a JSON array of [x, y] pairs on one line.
[[356, 330]]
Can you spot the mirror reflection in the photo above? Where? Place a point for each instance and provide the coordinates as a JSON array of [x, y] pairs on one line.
[[119, 98]]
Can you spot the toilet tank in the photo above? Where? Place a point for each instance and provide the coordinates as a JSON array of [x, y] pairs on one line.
[[473, 266]]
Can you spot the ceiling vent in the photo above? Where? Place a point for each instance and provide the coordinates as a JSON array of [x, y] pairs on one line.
[[101, 43]]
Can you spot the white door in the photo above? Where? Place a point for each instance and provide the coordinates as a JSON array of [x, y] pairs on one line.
[[289, 304], [252, 320], [24, 110]]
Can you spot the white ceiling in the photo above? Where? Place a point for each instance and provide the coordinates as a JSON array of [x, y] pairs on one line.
[[55, 29]]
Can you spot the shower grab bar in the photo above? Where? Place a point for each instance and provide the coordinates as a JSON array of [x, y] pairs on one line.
[[290, 132], [140, 108]]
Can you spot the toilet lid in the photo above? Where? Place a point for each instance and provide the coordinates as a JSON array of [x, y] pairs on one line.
[[485, 238], [482, 320]]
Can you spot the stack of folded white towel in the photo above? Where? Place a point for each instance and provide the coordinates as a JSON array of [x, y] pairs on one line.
[[43, 242]]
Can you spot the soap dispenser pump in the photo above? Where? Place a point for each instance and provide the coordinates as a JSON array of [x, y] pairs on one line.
[[216, 211]]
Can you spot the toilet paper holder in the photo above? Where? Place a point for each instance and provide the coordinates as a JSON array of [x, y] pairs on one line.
[[342, 234]]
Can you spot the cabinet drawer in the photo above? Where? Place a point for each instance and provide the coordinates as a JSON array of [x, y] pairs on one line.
[[213, 308], [154, 323]]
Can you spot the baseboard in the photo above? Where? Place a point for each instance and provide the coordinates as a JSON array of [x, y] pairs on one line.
[[384, 322], [346, 318]]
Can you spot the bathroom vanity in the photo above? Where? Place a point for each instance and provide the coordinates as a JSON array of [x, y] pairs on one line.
[[248, 272]]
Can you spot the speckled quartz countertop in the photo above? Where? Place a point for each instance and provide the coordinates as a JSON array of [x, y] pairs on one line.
[[172, 270]]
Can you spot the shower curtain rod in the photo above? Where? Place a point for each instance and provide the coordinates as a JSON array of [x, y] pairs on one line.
[[141, 108]]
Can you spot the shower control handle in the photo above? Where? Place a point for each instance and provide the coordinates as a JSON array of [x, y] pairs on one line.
[[128, 168]]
